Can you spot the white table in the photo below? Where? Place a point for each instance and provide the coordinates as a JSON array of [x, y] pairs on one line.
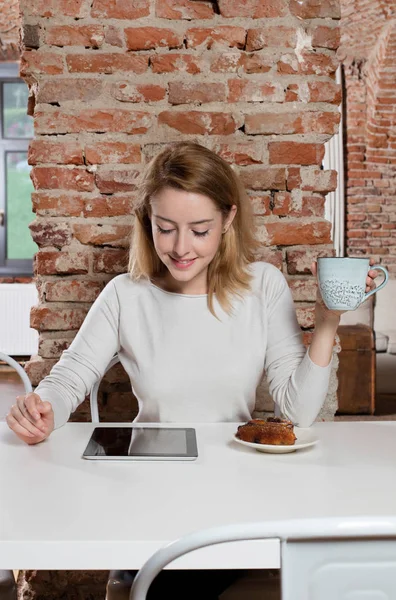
[[59, 511]]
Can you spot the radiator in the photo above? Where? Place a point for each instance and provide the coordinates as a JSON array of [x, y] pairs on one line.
[[16, 336]]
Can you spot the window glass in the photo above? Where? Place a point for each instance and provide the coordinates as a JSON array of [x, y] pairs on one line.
[[19, 207], [16, 123]]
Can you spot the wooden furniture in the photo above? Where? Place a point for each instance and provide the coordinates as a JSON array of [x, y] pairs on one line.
[[356, 371], [115, 515]]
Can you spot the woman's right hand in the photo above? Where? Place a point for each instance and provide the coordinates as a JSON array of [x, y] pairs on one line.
[[31, 419]]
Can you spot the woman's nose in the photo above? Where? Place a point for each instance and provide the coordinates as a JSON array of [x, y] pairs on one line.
[[182, 244]]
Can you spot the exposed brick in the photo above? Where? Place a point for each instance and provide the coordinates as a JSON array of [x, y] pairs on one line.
[[176, 62], [257, 9], [148, 38], [53, 347], [38, 368], [292, 232], [50, 318], [107, 63], [299, 261], [194, 122], [31, 36], [75, 35], [93, 120], [274, 257], [62, 178], [292, 122], [184, 9], [324, 91], [58, 204], [50, 233], [261, 204], [119, 205], [112, 152], [48, 151], [191, 92], [60, 263], [295, 153], [246, 90], [37, 62], [305, 316], [325, 37], [71, 88], [314, 179], [103, 234], [110, 261], [230, 37], [241, 153], [264, 178], [303, 290], [270, 36], [110, 180], [312, 9], [56, 8], [127, 9], [125, 91], [114, 36], [312, 63], [71, 290]]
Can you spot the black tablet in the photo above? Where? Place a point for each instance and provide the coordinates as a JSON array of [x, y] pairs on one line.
[[142, 443]]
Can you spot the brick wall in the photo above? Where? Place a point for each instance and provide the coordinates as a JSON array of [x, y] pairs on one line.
[[10, 23], [368, 52], [112, 82]]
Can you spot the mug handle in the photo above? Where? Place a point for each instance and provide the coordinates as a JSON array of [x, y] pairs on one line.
[[377, 289]]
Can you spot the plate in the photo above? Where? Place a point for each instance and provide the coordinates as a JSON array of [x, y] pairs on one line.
[[305, 439]]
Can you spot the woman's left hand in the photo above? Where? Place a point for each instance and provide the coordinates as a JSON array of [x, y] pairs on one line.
[[324, 314]]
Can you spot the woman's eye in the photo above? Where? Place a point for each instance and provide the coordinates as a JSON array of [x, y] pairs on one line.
[[201, 233], [160, 230]]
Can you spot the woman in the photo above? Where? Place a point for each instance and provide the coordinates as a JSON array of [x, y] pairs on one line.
[[196, 321]]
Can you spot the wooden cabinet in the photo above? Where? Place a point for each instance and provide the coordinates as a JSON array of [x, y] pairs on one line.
[[356, 372]]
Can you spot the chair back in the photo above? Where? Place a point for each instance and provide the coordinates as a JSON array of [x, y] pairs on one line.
[[21, 372], [321, 559]]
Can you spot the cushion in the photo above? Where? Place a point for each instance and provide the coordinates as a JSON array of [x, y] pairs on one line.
[[385, 308], [381, 342], [392, 342], [363, 314]]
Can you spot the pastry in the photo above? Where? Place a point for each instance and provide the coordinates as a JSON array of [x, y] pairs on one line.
[[274, 431]]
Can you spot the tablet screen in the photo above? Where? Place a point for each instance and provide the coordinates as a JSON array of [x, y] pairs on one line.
[[142, 442]]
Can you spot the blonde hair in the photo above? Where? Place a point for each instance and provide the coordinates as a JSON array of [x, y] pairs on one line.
[[193, 168]]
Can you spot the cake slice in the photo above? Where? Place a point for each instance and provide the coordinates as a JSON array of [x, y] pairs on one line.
[[273, 431]]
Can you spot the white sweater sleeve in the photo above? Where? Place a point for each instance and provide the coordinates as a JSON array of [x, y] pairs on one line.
[[297, 385], [85, 361]]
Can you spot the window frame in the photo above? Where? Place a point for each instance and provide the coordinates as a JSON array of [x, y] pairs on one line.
[[9, 267]]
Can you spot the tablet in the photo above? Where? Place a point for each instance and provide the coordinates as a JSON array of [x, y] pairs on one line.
[[142, 443]]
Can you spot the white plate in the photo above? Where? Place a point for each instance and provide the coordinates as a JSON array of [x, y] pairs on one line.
[[305, 439]]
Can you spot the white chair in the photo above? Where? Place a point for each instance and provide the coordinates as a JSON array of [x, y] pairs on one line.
[[321, 559], [21, 372], [93, 397]]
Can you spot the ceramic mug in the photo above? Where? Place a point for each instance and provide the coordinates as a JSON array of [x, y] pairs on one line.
[[342, 281]]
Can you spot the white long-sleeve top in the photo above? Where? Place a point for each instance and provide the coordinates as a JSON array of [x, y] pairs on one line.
[[184, 364]]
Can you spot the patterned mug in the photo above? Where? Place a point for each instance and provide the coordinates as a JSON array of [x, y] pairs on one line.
[[342, 281]]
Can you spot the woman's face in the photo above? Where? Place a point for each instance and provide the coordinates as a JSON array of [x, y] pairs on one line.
[[187, 230]]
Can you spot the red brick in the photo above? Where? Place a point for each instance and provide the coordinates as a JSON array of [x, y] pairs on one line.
[[48, 151], [228, 62], [37, 62], [56, 8], [260, 204], [263, 178], [50, 233], [106, 62], [127, 9], [93, 120], [257, 63], [110, 180], [71, 88], [324, 91], [299, 261], [125, 91], [112, 152], [37, 369], [103, 234], [270, 255], [109, 206], [60, 263], [296, 153], [312, 9], [50, 318], [75, 35], [293, 232], [114, 36], [257, 9], [292, 122], [199, 123], [53, 347], [62, 178], [110, 261], [170, 63], [71, 290], [191, 92], [148, 38], [241, 153], [58, 204], [305, 316], [312, 63], [293, 178], [270, 36], [303, 290], [318, 180], [246, 90], [325, 37], [184, 9], [230, 37]]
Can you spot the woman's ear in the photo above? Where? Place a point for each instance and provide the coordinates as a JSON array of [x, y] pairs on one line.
[[230, 218]]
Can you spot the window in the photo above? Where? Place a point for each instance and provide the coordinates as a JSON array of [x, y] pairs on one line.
[[16, 130]]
